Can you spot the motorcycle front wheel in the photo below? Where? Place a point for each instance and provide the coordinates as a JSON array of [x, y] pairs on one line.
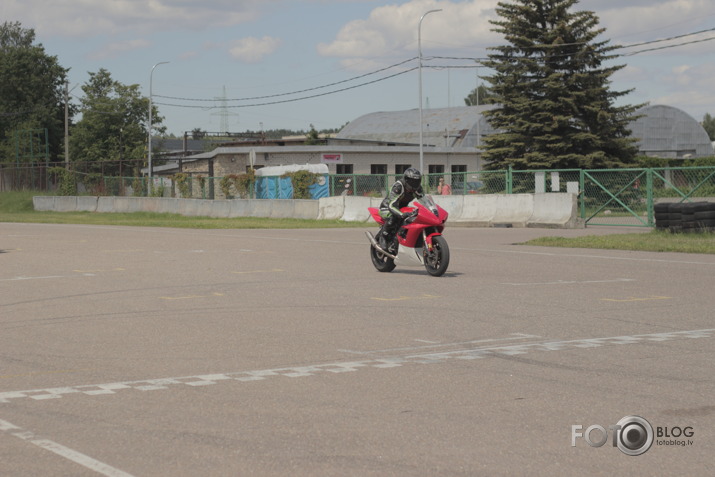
[[437, 260], [382, 262]]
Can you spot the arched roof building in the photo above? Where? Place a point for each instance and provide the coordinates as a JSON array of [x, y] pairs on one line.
[[668, 132], [662, 131]]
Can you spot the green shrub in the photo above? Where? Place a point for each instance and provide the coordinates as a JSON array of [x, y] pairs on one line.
[[67, 181], [302, 180]]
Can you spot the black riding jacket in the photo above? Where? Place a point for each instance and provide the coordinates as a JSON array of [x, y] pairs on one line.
[[398, 198]]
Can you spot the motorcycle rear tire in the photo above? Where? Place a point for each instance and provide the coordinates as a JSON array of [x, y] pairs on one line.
[[437, 261], [382, 262]]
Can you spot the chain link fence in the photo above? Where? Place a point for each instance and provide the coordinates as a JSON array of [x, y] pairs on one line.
[[606, 197]]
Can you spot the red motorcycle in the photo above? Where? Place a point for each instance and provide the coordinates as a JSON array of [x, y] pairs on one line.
[[419, 242]]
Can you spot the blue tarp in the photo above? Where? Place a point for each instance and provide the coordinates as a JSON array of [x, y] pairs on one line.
[[269, 186]]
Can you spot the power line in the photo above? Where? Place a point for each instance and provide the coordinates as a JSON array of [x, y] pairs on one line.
[[294, 92], [267, 103]]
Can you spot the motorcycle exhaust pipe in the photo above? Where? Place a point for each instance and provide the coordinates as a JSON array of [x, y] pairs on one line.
[[373, 242]]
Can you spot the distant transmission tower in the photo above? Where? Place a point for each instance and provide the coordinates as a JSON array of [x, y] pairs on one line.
[[224, 113]]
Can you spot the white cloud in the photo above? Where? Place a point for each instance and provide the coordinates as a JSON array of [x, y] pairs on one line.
[[648, 19], [252, 50], [392, 30], [80, 18], [112, 50]]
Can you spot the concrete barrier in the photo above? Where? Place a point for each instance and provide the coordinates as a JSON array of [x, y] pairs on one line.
[[170, 206], [43, 203], [260, 207], [65, 204], [204, 207], [453, 204], [513, 209], [306, 209], [130, 204], [556, 210], [281, 209], [356, 209], [517, 210], [331, 208], [87, 203], [105, 204], [478, 210], [239, 208], [221, 209]]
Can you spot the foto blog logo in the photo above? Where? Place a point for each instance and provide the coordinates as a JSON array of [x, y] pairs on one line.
[[633, 435]]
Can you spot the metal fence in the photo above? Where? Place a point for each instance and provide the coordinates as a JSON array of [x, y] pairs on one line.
[[606, 197]]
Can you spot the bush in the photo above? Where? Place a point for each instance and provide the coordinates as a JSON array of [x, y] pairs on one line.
[[302, 180], [67, 182], [181, 179], [244, 183]]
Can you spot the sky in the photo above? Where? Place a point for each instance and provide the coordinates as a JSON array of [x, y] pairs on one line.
[[289, 64]]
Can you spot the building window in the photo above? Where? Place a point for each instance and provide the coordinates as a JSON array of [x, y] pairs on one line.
[[343, 168], [435, 172], [378, 168], [401, 168], [458, 178]]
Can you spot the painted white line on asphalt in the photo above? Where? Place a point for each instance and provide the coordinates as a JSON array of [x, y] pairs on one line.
[[48, 277], [515, 336], [583, 255], [388, 360], [17, 279], [572, 282], [63, 451]]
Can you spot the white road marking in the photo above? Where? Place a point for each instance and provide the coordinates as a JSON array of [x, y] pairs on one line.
[[635, 298], [515, 336], [386, 361], [63, 451], [572, 282], [17, 279], [583, 255]]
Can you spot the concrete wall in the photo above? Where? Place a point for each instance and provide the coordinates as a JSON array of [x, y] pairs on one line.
[[557, 210]]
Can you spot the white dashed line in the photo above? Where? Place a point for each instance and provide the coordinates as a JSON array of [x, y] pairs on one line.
[[401, 359]]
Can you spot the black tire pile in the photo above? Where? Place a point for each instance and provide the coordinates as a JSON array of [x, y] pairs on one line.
[[685, 217]]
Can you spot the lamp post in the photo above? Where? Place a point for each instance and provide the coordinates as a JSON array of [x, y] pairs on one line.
[[419, 49], [149, 127]]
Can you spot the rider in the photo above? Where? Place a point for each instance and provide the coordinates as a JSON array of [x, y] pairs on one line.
[[402, 192]]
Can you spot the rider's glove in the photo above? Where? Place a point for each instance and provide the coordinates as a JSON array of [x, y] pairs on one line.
[[411, 216]]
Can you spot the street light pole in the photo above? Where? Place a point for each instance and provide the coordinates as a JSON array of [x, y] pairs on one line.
[[149, 127], [419, 49]]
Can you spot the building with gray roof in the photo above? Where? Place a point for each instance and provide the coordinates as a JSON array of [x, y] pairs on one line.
[[387, 142]]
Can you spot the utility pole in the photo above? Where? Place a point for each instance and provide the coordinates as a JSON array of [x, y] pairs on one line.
[[419, 49], [67, 125]]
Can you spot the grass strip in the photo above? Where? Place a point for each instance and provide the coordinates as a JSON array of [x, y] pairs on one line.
[[655, 241]]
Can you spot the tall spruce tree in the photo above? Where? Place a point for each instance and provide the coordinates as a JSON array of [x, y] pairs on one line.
[[556, 109]]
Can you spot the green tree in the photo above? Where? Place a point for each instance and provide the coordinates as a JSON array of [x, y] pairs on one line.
[[313, 137], [113, 130], [479, 95], [31, 91], [709, 126], [555, 106]]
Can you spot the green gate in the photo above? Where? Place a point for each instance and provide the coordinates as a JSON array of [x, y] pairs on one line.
[[626, 197]]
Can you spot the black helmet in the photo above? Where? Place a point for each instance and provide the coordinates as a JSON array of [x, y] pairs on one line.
[[412, 179]]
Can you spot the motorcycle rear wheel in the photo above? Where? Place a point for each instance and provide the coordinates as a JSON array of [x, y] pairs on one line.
[[437, 261], [382, 262]]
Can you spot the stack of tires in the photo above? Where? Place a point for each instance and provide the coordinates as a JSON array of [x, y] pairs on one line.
[[685, 216]]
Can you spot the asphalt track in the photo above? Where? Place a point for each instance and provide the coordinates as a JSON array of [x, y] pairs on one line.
[[156, 352]]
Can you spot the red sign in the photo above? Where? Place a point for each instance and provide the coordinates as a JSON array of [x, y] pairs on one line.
[[331, 158]]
